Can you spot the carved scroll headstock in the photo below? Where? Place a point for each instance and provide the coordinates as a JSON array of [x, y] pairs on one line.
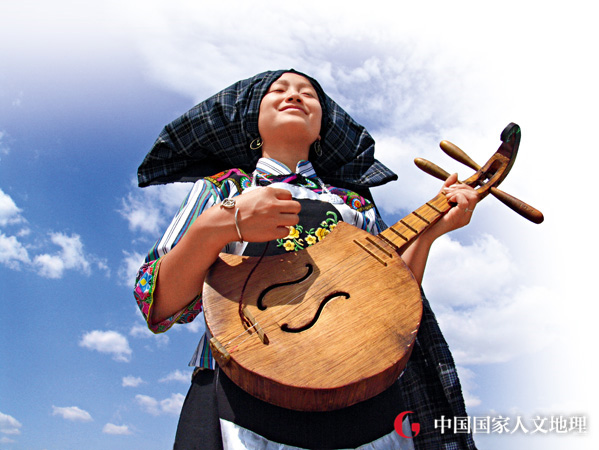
[[499, 165], [491, 174]]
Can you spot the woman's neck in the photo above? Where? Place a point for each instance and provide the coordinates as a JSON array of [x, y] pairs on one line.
[[286, 155]]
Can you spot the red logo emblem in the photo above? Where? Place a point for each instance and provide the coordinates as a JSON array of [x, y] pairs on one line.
[[398, 425]]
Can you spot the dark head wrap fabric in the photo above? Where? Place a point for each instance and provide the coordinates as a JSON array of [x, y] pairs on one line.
[[215, 135]]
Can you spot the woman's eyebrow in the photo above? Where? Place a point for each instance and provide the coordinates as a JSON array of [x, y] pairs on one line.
[[300, 85], [306, 84]]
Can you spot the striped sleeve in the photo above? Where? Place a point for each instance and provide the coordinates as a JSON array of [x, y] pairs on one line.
[[202, 196]]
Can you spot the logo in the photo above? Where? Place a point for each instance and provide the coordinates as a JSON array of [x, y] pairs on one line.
[[398, 425]]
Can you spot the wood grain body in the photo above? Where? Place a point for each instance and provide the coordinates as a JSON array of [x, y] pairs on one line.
[[355, 301], [357, 347]]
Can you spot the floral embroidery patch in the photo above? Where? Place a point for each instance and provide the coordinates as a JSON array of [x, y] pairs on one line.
[[236, 176], [300, 238], [352, 199]]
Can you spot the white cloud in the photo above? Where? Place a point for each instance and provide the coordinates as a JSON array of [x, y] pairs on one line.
[[12, 253], [15, 255], [381, 73], [50, 266], [177, 375], [72, 413], [110, 342], [171, 405], [142, 332], [9, 212], [483, 302], [467, 378], [197, 326], [131, 263], [148, 404], [70, 256], [140, 216], [3, 149], [9, 425], [110, 428], [131, 381], [499, 329], [149, 209], [451, 265]]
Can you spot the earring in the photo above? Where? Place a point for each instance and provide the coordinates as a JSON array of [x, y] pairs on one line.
[[256, 144], [317, 148]]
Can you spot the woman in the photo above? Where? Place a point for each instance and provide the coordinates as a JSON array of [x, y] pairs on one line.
[[287, 118]]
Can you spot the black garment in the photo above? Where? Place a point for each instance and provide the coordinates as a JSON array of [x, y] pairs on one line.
[[199, 426], [213, 394]]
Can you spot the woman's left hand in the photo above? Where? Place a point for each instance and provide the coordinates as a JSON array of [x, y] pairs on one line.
[[464, 197]]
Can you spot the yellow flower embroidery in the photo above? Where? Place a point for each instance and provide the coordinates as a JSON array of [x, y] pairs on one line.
[[298, 238], [293, 233], [321, 233]]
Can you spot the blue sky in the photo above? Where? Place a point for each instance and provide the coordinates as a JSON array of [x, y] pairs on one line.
[[85, 90]]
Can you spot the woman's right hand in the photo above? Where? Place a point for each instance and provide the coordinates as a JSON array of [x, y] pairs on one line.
[[265, 213]]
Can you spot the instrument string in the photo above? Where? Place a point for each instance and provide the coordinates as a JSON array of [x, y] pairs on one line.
[[268, 322], [244, 319]]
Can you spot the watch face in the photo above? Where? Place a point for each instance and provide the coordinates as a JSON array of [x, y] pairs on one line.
[[228, 203]]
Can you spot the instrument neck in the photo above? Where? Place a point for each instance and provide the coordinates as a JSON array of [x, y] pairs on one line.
[[404, 232]]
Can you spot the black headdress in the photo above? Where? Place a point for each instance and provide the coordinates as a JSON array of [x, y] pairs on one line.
[[216, 134]]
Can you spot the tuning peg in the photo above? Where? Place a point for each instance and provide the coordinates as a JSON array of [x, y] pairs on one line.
[[431, 168], [525, 210], [518, 206], [458, 154]]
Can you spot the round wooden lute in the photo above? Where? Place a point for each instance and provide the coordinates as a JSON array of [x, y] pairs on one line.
[[333, 324]]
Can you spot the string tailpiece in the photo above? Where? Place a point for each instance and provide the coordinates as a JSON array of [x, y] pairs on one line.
[[219, 352]]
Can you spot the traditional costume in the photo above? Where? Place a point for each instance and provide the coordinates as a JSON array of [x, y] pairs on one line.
[[211, 145]]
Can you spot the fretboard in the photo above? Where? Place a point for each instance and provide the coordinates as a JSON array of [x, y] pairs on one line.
[[403, 233]]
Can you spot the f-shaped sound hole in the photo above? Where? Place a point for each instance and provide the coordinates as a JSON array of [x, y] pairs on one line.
[[328, 298], [262, 306]]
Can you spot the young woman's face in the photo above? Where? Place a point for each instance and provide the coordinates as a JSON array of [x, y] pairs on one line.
[[290, 108]]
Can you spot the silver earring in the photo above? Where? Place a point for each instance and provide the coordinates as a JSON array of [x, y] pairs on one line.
[[256, 144], [317, 148]]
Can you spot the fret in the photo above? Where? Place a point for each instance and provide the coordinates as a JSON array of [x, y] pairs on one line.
[[433, 207], [398, 233], [421, 218], [403, 233], [413, 230]]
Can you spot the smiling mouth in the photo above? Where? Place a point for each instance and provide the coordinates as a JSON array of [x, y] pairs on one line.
[[296, 108]]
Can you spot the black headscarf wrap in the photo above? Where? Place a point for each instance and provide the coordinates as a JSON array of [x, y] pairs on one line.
[[215, 135]]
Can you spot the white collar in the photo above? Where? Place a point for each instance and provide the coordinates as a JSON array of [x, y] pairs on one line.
[[269, 166]]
